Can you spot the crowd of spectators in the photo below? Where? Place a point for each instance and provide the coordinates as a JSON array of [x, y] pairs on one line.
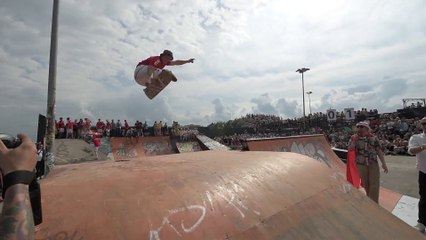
[[392, 130], [79, 129]]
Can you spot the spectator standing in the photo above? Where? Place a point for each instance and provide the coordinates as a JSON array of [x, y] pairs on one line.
[[100, 126], [165, 130], [155, 127], [75, 128], [145, 129], [417, 146], [87, 125], [160, 127], [97, 143], [70, 128], [108, 127], [40, 161], [80, 128], [367, 148], [119, 126], [113, 129], [138, 126], [126, 128], [61, 127]]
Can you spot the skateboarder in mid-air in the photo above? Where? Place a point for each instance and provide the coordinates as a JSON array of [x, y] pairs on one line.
[[150, 68]]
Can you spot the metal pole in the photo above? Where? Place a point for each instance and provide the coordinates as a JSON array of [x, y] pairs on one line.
[[51, 90], [303, 94], [302, 70]]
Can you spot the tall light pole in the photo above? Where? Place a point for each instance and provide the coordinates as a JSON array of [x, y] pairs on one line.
[[51, 90], [302, 70], [309, 99]]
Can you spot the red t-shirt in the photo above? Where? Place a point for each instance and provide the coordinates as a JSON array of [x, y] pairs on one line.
[[97, 142], [61, 124], [99, 125], [108, 125], [70, 124], [153, 61]]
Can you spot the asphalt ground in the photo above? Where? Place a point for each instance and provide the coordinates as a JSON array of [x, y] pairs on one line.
[[402, 176]]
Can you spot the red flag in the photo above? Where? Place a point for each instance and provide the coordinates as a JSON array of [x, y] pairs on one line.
[[351, 171]]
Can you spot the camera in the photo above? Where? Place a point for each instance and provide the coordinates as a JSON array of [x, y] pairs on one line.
[[9, 141]]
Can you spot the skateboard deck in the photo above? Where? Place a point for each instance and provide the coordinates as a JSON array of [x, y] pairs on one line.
[[157, 85]]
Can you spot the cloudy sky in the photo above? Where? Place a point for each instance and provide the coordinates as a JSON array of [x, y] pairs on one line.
[[362, 53]]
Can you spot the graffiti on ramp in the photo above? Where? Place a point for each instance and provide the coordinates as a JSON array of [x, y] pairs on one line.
[[128, 148], [314, 146], [188, 147], [157, 148]]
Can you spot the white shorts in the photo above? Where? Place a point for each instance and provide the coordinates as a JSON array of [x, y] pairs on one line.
[[144, 74]]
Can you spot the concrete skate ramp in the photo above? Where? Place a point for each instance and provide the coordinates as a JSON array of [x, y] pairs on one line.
[[317, 147], [127, 148], [210, 144], [211, 195], [314, 146], [75, 151], [191, 146]]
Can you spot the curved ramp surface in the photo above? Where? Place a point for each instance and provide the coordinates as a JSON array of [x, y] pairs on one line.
[[76, 151], [314, 146], [211, 195], [317, 147], [210, 143]]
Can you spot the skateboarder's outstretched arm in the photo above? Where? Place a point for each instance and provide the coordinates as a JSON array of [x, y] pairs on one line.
[[181, 62]]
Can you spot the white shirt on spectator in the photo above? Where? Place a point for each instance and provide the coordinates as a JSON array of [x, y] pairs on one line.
[[415, 141], [40, 155]]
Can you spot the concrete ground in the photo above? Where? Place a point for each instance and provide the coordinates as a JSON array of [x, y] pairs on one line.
[[402, 176]]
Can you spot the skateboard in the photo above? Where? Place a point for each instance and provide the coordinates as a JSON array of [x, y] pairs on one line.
[[157, 85]]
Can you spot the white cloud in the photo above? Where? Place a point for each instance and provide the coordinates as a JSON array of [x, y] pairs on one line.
[[361, 54]]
